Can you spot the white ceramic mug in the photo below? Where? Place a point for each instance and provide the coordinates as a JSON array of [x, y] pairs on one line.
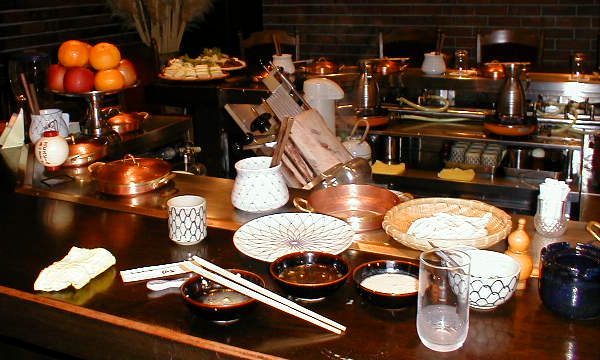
[[48, 119], [187, 219], [258, 187]]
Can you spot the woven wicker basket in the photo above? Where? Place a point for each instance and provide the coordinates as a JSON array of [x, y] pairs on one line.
[[399, 218]]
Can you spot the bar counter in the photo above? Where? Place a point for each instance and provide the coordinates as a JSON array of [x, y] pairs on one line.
[[110, 319]]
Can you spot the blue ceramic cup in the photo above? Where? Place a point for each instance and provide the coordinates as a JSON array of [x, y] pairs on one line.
[[569, 282]]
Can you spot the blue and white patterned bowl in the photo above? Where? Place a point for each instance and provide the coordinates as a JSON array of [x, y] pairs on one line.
[[494, 279]]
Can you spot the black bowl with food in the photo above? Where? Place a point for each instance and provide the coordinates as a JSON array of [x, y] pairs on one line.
[[310, 275], [215, 302], [390, 284]]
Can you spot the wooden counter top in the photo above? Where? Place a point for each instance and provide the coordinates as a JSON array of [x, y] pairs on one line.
[[110, 319]]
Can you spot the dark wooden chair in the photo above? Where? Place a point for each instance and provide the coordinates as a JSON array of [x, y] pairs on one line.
[[506, 45], [409, 42], [259, 47]]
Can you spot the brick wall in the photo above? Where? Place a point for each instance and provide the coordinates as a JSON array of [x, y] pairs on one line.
[[346, 29]]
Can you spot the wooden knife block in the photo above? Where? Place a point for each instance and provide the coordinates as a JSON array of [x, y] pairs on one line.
[[312, 147]]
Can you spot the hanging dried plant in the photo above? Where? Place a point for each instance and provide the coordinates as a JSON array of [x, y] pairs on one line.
[[161, 21]]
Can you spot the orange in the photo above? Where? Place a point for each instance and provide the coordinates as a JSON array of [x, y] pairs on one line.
[[108, 80], [73, 53], [104, 56]]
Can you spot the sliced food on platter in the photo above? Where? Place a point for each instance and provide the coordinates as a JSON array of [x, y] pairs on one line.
[[184, 68], [212, 64], [226, 62], [269, 237]]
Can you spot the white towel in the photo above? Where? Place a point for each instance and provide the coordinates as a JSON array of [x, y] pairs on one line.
[[76, 269]]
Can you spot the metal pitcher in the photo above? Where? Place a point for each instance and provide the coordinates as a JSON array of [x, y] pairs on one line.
[[367, 90], [512, 104]]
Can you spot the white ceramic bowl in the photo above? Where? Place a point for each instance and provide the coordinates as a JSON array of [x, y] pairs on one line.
[[494, 278]]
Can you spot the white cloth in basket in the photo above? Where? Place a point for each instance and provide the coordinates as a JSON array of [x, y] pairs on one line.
[[444, 226]]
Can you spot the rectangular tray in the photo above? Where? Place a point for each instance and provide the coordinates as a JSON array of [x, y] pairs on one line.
[[532, 173]]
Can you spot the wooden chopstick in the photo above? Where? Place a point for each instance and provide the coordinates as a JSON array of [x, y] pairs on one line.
[[282, 138], [276, 44], [215, 273]]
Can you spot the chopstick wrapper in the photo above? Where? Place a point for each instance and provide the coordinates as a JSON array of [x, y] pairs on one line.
[[77, 268]]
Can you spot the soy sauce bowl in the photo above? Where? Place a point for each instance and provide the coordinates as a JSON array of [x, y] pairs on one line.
[[310, 275], [390, 284], [215, 302]]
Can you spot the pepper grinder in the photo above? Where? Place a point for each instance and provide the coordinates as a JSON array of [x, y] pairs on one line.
[[518, 249]]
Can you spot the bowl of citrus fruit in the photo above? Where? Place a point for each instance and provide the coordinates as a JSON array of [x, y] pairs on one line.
[[83, 67]]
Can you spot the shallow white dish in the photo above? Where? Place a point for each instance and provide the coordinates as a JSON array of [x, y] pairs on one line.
[[269, 237]]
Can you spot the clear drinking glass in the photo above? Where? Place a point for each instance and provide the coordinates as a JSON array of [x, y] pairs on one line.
[[443, 299], [34, 65], [551, 217], [461, 61], [577, 68]]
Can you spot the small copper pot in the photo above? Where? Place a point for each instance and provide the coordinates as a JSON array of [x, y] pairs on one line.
[[131, 175], [387, 66], [84, 150], [323, 67], [124, 123], [362, 206]]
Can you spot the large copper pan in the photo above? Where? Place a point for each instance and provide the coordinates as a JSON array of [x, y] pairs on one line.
[[131, 176], [361, 206]]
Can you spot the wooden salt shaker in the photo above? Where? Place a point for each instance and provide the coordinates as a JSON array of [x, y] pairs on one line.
[[518, 249]]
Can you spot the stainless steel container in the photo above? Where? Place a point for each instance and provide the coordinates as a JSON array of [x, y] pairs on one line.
[[511, 100]]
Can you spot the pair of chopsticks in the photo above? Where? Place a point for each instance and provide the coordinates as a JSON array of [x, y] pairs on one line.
[[282, 137], [31, 95], [248, 288]]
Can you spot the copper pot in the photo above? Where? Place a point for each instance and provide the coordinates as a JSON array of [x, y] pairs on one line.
[[131, 175], [323, 67], [124, 123], [387, 66], [493, 70], [84, 150], [362, 206]]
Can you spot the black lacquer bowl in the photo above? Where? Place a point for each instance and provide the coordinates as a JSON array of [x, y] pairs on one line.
[[396, 285], [309, 275], [215, 302]]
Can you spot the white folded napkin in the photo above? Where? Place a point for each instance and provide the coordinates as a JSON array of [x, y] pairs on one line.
[[552, 194], [76, 269]]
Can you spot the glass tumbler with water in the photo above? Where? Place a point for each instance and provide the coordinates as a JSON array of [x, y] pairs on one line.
[[443, 299]]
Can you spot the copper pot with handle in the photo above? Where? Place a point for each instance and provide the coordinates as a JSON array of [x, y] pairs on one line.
[[131, 175], [124, 123], [363, 206], [323, 67], [84, 150]]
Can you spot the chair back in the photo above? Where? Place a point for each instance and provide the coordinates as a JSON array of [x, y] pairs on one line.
[[409, 42], [507, 45], [259, 47]]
